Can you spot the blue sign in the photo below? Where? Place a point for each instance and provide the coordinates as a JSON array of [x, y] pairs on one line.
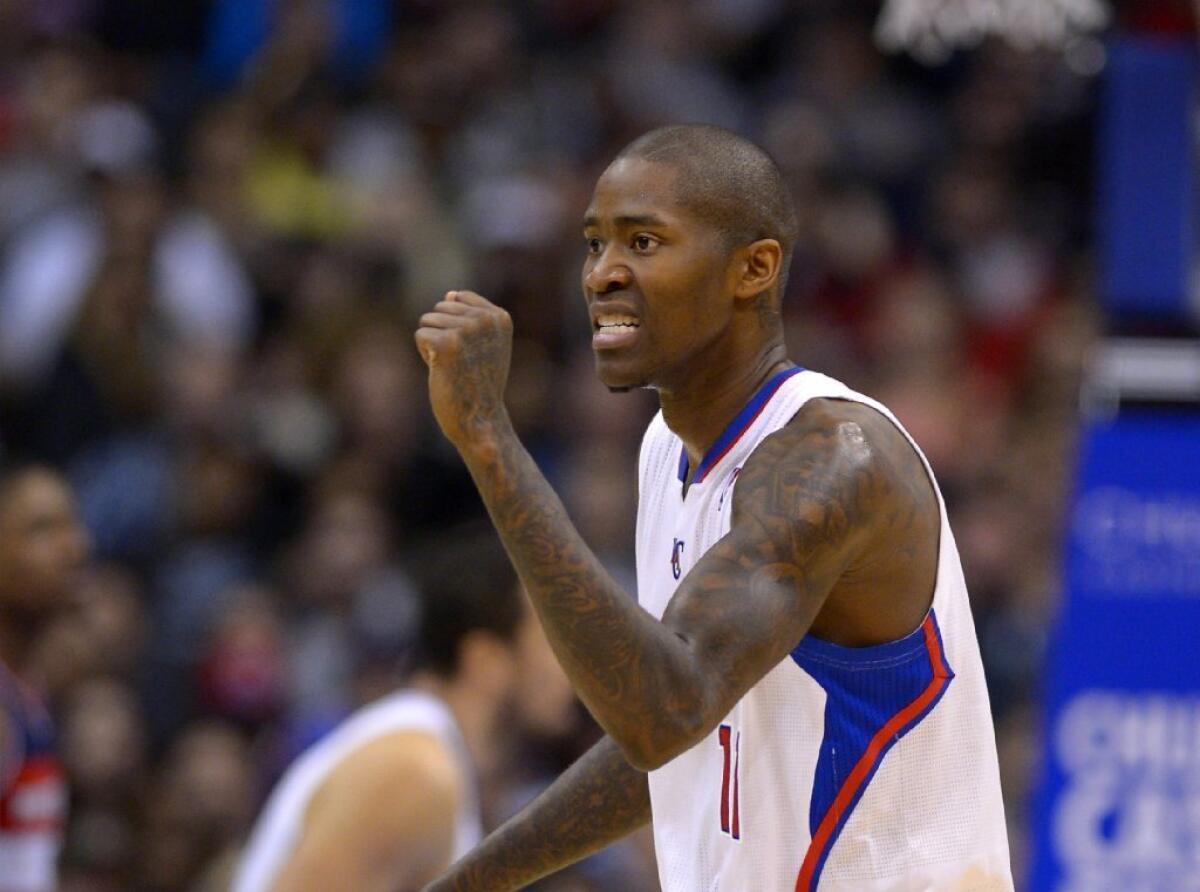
[[1146, 178], [1119, 807]]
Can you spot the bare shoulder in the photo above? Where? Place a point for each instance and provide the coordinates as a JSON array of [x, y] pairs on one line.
[[828, 454], [847, 429], [412, 763], [872, 442], [840, 474], [402, 758], [384, 817]]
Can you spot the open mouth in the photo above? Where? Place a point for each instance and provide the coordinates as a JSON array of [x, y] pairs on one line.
[[614, 330], [616, 322]]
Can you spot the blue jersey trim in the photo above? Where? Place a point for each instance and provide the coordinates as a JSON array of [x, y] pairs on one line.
[[874, 696], [734, 430], [878, 655]]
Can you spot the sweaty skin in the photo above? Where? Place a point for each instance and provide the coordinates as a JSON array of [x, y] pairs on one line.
[[834, 526]]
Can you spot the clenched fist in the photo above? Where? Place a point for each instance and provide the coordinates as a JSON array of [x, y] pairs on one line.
[[466, 341]]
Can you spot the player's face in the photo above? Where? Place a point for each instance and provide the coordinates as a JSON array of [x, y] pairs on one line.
[[42, 543], [657, 279]]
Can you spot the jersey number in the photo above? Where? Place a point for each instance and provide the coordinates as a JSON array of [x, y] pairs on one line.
[[731, 744]]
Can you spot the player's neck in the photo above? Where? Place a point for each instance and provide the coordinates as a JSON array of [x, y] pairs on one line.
[[475, 714], [699, 409]]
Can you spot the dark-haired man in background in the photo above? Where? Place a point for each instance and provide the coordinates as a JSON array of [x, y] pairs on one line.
[[42, 546], [389, 798], [797, 696]]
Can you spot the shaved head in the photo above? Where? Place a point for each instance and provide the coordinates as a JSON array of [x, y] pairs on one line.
[[726, 180]]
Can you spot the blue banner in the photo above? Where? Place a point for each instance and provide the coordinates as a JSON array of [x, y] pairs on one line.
[[1119, 807], [1146, 182]]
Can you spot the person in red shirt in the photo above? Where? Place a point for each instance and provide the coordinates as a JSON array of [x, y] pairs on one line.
[[42, 545]]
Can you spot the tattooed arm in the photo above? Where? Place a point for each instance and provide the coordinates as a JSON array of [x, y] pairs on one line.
[[805, 508], [597, 801]]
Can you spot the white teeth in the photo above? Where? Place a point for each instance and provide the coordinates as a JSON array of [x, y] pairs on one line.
[[610, 323]]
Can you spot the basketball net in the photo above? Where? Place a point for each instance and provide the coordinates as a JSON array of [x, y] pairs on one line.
[[931, 30]]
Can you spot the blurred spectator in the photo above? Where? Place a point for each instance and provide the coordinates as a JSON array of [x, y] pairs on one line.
[[104, 748], [333, 818], [200, 806], [42, 546]]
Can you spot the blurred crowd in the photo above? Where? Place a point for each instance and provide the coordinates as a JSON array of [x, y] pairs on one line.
[[220, 220]]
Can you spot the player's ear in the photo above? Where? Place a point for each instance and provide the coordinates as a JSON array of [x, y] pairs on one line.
[[758, 267]]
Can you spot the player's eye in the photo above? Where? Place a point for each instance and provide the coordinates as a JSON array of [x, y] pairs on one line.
[[594, 246], [643, 243]]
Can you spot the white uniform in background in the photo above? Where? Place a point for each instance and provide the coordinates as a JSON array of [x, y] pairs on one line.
[[848, 769], [33, 790], [280, 825]]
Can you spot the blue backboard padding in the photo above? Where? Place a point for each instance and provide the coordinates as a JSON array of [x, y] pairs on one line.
[[1146, 177]]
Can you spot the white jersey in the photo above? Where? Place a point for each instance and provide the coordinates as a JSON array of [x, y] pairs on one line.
[[864, 769], [280, 825], [33, 790]]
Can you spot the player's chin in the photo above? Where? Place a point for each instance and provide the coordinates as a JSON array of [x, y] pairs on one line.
[[619, 374]]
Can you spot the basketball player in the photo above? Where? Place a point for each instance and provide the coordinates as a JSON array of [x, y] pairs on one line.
[[797, 695], [42, 545], [388, 799]]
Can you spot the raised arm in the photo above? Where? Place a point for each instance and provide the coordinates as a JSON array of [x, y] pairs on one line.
[[802, 513], [597, 801]]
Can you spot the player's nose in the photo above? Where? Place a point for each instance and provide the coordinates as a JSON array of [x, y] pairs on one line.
[[605, 276]]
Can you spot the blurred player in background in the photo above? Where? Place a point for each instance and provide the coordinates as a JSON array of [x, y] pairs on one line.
[[799, 698], [390, 797], [42, 546]]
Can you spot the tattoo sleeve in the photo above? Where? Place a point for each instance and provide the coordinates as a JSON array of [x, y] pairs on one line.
[[597, 801], [600, 635], [658, 687]]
